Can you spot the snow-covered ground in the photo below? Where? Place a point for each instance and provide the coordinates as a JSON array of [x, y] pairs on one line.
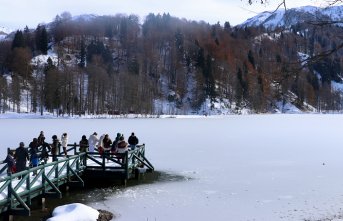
[[247, 167], [74, 212]]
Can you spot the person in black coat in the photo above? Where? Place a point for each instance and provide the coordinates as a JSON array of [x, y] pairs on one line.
[[41, 138], [55, 148], [133, 141], [21, 156], [83, 144], [45, 147], [34, 154]]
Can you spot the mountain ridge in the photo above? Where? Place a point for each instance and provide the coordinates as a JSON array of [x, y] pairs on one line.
[[169, 65], [289, 17]]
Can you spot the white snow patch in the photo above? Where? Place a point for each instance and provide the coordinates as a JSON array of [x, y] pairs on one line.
[[2, 37], [74, 212], [42, 59], [5, 30], [288, 108], [303, 57], [337, 86]]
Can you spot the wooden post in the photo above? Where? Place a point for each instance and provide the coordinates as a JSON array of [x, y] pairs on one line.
[[75, 146], [137, 175], [43, 204], [28, 187], [103, 162]]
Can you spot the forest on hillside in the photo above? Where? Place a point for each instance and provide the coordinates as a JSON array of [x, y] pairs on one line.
[[115, 65]]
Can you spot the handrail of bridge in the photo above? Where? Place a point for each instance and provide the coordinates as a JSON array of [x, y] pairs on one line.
[[134, 158], [19, 188], [127, 161]]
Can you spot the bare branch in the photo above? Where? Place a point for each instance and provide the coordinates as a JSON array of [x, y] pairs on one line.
[[324, 54], [334, 2], [324, 23]]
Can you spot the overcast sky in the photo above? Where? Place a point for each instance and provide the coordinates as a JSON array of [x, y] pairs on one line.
[[16, 14]]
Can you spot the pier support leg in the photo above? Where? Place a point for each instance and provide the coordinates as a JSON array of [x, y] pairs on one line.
[[137, 175], [43, 204]]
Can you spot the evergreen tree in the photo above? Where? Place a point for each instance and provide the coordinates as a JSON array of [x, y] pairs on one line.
[[18, 41], [251, 58], [208, 74], [44, 41], [41, 36], [82, 63]]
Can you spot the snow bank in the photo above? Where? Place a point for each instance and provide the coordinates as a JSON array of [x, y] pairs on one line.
[[2, 37], [74, 212], [42, 59]]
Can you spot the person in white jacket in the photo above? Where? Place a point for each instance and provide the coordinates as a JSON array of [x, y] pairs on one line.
[[64, 142], [93, 140]]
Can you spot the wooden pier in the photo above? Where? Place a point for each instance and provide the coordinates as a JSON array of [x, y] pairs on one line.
[[17, 190]]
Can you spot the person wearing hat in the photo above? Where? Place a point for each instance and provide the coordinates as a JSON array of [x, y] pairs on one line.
[[21, 156], [93, 140]]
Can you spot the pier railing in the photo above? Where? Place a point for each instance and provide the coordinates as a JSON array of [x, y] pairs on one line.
[[18, 189], [125, 163]]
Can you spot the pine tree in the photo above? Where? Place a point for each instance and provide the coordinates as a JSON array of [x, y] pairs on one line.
[[41, 36], [18, 41], [44, 41], [82, 63]]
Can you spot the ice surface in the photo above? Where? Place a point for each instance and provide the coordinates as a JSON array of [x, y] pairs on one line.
[[250, 167]]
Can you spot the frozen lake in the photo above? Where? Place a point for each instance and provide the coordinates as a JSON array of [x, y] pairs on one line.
[[255, 167]]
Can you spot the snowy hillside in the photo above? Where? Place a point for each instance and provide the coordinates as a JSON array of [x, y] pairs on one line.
[[170, 66], [4, 32], [294, 16]]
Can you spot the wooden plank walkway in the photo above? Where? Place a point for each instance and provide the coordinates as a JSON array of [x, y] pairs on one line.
[[17, 190]]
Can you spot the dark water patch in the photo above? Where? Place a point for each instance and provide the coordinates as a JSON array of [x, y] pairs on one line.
[[147, 178], [95, 191], [160, 176]]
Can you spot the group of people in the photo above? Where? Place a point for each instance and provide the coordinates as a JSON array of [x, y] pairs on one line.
[[39, 149], [104, 144]]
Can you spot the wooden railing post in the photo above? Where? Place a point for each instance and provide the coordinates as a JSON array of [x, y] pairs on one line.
[[126, 158], [9, 193], [75, 146], [68, 169], [103, 161], [143, 152], [28, 188]]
